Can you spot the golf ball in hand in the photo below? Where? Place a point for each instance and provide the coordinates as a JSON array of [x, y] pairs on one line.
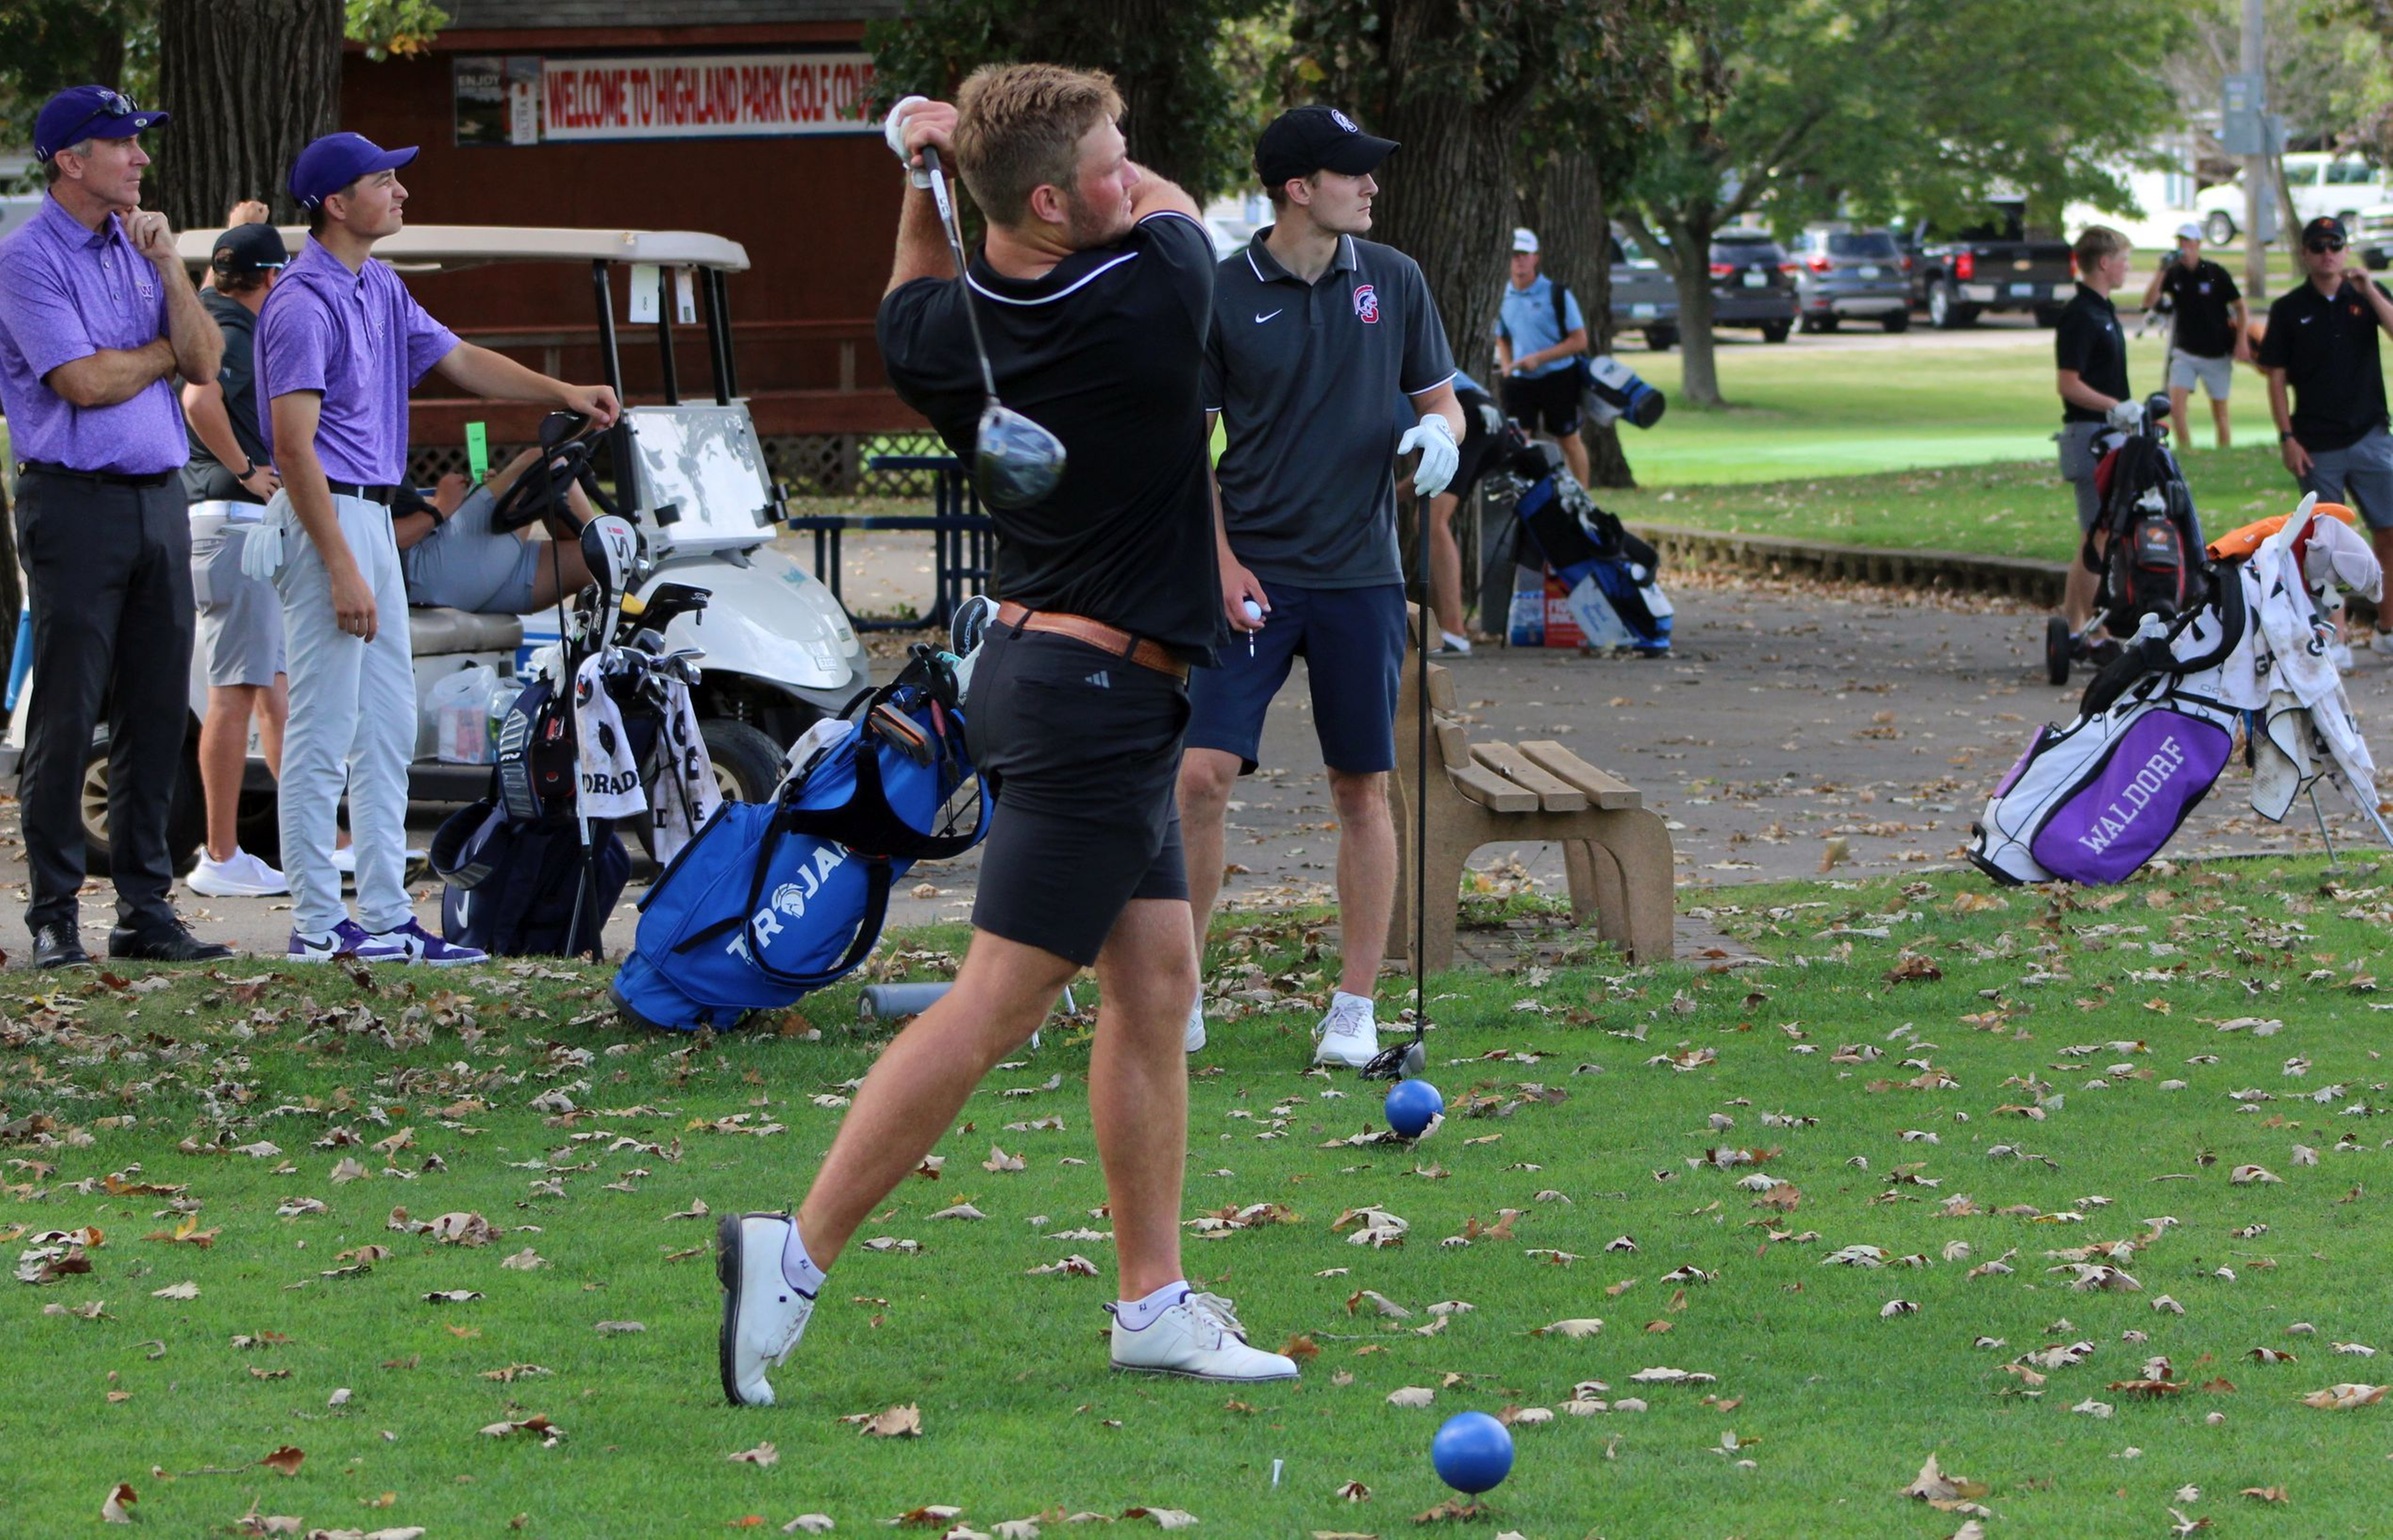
[[1411, 1104], [1472, 1451]]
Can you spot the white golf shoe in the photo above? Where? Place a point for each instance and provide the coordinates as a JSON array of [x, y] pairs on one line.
[[239, 875], [1347, 1035], [1199, 1339], [1193, 1039], [764, 1314]]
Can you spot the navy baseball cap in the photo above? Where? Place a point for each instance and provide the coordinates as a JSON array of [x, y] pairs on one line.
[[87, 112], [249, 249], [334, 161], [1304, 140]]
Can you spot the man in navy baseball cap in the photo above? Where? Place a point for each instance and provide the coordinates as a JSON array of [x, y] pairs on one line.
[[80, 113], [335, 161], [1304, 140]]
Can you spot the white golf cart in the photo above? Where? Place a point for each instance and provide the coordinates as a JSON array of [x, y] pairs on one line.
[[780, 651]]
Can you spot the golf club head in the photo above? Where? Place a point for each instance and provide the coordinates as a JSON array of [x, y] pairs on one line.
[[611, 547], [1397, 1061], [969, 623], [1015, 461]]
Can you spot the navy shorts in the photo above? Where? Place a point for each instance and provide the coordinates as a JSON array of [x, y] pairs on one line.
[[1081, 749], [1352, 641]]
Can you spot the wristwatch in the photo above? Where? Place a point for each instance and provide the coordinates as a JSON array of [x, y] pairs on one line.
[[2282, 437]]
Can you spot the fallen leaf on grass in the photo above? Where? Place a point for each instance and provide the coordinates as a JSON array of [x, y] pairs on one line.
[[1164, 1518], [929, 1516], [1932, 1485], [546, 1431], [1301, 1348], [524, 1261], [897, 1422], [348, 1170], [2270, 1494], [762, 1454], [809, 1524], [2342, 1398], [1073, 1266], [113, 1507], [1354, 1492], [176, 1291], [1000, 1161], [286, 1460], [1576, 1327], [1412, 1396], [2244, 1176], [452, 1296], [618, 1328]]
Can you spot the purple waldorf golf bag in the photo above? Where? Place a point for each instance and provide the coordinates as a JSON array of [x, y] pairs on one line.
[[2093, 801]]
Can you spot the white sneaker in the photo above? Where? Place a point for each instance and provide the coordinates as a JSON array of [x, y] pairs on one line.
[[1198, 1338], [1193, 1039], [1347, 1035], [2340, 655], [239, 875], [1449, 642], [764, 1314], [2381, 642]]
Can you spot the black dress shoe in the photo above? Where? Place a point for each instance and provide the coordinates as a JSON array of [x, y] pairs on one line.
[[166, 941], [59, 946]]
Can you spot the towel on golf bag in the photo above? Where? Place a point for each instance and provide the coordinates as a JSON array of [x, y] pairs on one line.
[[2093, 801], [773, 900], [684, 795], [1609, 572]]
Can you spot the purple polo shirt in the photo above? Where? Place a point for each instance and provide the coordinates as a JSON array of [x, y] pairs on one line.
[[359, 339], [67, 293]]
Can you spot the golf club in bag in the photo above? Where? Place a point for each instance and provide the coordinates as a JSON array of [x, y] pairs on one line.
[[1015, 462]]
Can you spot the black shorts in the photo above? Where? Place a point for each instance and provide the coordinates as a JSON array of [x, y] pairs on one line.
[[1081, 748], [1476, 441], [1544, 403]]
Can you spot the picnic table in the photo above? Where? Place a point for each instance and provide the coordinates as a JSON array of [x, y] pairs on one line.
[[962, 539]]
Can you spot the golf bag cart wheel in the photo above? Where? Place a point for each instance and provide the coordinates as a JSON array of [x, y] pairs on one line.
[[2219, 228], [1897, 321], [1661, 339], [186, 819], [747, 762], [1776, 331], [2056, 650]]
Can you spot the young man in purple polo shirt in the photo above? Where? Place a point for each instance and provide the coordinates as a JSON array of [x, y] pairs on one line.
[[97, 318], [340, 343]]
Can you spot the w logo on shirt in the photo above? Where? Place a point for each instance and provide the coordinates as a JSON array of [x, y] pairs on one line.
[[1366, 304]]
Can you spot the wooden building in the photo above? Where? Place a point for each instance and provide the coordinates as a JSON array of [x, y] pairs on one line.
[[750, 119]]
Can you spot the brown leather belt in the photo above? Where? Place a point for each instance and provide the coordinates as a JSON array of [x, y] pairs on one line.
[[1139, 650]]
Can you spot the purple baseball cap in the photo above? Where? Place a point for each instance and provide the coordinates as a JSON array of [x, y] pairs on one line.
[[334, 161], [87, 112]]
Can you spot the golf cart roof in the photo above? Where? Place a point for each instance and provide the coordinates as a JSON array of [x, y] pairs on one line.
[[446, 248]]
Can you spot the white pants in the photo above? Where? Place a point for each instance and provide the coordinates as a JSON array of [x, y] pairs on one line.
[[352, 722]]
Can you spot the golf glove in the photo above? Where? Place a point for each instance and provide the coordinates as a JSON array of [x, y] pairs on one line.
[[893, 129], [1491, 417], [1439, 454], [2127, 416]]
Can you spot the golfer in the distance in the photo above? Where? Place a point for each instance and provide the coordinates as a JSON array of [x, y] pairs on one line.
[[1315, 332], [1093, 290]]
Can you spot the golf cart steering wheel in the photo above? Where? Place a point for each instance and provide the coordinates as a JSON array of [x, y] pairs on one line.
[[567, 445]]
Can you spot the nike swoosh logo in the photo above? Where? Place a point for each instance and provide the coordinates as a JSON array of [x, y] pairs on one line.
[[1259, 320]]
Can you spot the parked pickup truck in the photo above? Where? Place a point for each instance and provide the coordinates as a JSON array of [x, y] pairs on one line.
[[1643, 297], [1991, 266]]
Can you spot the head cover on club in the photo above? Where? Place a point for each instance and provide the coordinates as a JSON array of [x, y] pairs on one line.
[[612, 549]]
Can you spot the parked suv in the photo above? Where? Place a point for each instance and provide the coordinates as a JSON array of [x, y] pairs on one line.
[[1753, 283], [1842, 273], [1643, 297], [2319, 185]]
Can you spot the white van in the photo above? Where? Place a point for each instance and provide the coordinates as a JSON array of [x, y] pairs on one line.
[[2320, 184]]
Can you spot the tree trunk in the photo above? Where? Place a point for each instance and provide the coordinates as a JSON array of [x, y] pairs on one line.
[[249, 83], [1564, 204], [1688, 256]]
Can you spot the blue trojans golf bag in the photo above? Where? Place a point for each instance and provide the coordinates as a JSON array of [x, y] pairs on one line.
[[773, 900], [1608, 571]]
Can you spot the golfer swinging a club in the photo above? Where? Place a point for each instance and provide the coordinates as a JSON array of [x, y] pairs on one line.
[[1094, 290]]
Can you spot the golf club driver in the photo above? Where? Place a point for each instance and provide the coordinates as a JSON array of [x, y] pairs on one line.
[[1015, 461], [1406, 1060]]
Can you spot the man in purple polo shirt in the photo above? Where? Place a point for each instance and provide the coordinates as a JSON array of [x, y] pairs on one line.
[[340, 343], [97, 319]]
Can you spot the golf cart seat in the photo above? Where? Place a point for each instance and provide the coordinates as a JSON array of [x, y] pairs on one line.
[[432, 631]]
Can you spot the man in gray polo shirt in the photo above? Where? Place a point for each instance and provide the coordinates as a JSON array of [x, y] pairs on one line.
[[1314, 331]]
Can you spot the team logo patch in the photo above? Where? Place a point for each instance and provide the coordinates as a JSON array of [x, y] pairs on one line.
[[1366, 304], [1343, 121]]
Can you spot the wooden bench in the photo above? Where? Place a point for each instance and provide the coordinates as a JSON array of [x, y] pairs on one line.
[[1616, 851]]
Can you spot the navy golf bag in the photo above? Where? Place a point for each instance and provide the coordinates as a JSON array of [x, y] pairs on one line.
[[1609, 572], [773, 900]]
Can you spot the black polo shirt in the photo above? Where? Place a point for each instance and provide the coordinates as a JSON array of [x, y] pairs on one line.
[[1302, 374], [2202, 299], [1103, 351], [238, 375], [2327, 348], [2089, 341]]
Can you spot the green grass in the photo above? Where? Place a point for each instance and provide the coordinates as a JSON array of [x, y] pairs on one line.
[[2007, 508], [1834, 1406]]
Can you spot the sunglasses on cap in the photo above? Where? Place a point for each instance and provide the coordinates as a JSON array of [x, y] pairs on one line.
[[2322, 243], [110, 104]]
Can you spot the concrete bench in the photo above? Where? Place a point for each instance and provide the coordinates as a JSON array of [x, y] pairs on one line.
[[1616, 851]]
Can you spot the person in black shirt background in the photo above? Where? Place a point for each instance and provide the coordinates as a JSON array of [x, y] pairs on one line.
[[1095, 288], [2321, 345], [2090, 356], [2207, 339]]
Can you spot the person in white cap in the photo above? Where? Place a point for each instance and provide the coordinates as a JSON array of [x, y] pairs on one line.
[[1540, 337], [2208, 336]]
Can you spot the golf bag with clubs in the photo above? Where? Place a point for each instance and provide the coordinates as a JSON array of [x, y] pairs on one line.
[[774, 900], [1609, 390], [2150, 557], [1609, 573]]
